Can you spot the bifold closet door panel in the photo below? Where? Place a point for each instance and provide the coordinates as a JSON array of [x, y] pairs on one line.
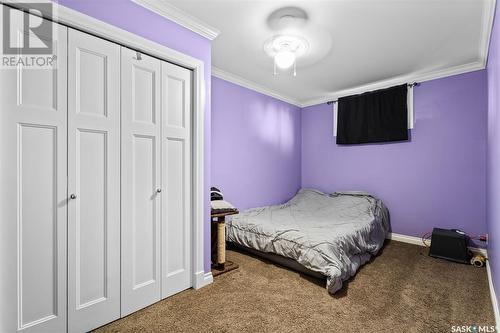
[[33, 117], [176, 173], [93, 181], [141, 181]]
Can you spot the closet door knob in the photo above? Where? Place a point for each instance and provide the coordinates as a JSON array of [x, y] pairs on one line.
[[158, 190], [73, 196]]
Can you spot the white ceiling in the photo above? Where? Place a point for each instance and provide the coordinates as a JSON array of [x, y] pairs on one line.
[[354, 45]]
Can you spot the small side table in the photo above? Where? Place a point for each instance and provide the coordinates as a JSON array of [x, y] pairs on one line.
[[219, 239]]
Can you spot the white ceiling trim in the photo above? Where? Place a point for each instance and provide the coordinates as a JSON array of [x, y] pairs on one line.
[[488, 18], [462, 69], [479, 64], [221, 74], [180, 17], [438, 74]]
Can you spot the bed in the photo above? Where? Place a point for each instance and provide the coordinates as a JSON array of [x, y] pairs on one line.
[[328, 234]]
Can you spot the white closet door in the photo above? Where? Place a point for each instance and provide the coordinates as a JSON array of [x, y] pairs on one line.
[[94, 180], [176, 173], [141, 181], [33, 114]]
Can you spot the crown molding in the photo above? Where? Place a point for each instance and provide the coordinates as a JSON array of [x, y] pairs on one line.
[[480, 64], [433, 75], [487, 29], [180, 17], [233, 78]]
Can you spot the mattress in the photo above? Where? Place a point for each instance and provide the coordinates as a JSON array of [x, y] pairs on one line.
[[331, 234]]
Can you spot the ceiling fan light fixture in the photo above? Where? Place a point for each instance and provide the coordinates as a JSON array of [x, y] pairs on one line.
[[285, 49], [285, 59]]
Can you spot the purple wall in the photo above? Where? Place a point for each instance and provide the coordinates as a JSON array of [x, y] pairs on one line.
[[493, 173], [140, 21], [436, 180], [255, 146]]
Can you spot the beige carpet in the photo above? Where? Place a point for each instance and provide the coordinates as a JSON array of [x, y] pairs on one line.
[[401, 290]]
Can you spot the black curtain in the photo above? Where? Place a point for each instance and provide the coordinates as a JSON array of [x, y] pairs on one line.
[[376, 116]]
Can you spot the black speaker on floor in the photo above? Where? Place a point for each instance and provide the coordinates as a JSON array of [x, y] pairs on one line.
[[450, 245]]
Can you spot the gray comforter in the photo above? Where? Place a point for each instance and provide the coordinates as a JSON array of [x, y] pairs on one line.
[[333, 234]]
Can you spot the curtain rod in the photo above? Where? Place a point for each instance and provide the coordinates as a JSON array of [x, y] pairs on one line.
[[411, 85]]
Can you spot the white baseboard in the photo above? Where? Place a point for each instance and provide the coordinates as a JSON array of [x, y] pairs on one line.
[[493, 295], [202, 279], [418, 241], [484, 252], [404, 238]]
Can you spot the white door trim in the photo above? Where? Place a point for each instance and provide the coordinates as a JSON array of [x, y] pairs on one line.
[[88, 24]]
